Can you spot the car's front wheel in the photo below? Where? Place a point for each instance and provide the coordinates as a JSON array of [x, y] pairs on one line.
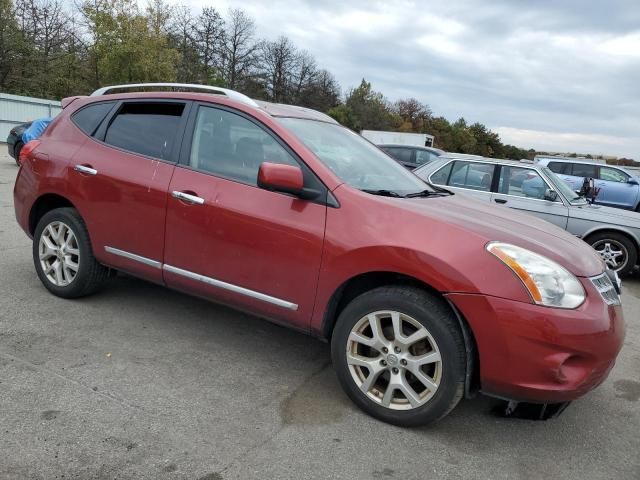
[[63, 257], [617, 251], [399, 355]]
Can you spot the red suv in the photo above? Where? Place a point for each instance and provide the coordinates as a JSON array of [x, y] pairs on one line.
[[278, 210]]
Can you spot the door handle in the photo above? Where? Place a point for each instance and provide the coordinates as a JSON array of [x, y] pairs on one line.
[[499, 200], [187, 197], [85, 169]]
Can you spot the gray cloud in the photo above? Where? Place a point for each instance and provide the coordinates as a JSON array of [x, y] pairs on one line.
[[569, 69]]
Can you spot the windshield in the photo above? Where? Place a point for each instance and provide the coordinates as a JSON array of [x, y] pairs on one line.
[[352, 158], [562, 188]]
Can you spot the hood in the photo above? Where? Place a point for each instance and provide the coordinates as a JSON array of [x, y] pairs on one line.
[[602, 214], [498, 223]]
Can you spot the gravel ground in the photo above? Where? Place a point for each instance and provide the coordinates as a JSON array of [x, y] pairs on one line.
[[140, 382]]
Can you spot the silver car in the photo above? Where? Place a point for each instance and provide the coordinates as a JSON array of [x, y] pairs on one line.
[[613, 232]]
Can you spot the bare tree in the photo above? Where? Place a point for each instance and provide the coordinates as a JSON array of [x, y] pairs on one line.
[[240, 49], [303, 75], [183, 39], [209, 33], [278, 59]]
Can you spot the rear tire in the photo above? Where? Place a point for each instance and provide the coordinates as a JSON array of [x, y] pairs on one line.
[[402, 381], [617, 251], [63, 257], [16, 150]]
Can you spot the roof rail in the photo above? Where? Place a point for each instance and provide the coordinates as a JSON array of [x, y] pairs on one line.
[[185, 86]]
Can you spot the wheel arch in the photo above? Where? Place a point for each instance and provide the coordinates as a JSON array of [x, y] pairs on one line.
[[44, 204], [613, 229], [364, 282]]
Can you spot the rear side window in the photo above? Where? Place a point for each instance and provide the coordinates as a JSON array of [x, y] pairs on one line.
[[146, 128], [442, 175], [424, 156], [88, 118], [402, 154], [560, 167], [583, 170], [477, 176]]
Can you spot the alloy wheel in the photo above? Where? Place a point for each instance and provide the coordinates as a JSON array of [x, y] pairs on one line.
[[394, 360], [613, 253], [59, 253]]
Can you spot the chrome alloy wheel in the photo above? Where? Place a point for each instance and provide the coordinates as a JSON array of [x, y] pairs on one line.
[[394, 360], [613, 253], [59, 254]]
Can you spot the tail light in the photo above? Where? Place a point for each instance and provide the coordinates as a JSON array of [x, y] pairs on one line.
[[27, 149]]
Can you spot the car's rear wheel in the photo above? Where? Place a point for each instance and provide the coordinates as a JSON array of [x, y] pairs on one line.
[[617, 251], [399, 355], [63, 256], [16, 152]]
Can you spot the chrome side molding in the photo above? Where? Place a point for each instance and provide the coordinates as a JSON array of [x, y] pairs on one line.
[[204, 279], [232, 288], [133, 256]]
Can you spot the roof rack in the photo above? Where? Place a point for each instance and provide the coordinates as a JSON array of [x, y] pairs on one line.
[[232, 94]]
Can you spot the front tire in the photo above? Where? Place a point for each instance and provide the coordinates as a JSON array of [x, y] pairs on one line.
[[63, 257], [617, 251], [399, 355]]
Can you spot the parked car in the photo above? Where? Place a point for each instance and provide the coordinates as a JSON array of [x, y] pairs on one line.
[[533, 188], [15, 142], [278, 210], [412, 156], [617, 187]]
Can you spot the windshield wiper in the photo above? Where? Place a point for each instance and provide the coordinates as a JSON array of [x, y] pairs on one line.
[[428, 193], [383, 193]]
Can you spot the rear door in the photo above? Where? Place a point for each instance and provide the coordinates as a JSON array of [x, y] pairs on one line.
[[119, 181], [467, 177], [228, 239], [524, 189]]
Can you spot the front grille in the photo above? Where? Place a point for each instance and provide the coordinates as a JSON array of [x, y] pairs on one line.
[[606, 288]]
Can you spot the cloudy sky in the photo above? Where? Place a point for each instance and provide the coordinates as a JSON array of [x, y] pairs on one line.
[[559, 75]]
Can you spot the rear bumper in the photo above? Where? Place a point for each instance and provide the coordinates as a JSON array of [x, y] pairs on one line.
[[537, 354]]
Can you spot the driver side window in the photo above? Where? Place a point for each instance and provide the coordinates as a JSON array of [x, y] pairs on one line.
[[228, 145]]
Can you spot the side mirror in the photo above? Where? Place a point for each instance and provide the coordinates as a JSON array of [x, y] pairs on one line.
[[633, 181], [281, 178], [550, 195]]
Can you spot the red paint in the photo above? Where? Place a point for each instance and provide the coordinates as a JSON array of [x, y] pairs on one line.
[[275, 176], [303, 252]]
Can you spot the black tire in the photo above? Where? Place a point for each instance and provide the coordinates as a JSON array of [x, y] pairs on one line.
[[16, 151], [620, 241], [90, 274], [436, 316]]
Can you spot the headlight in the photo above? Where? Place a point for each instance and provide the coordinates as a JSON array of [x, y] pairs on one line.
[[548, 283]]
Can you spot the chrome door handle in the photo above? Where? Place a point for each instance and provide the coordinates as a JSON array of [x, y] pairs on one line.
[[85, 169], [187, 197]]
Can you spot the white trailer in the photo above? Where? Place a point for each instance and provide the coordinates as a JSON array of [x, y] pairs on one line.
[[398, 138]]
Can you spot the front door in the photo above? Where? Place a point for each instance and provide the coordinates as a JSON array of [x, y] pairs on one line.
[[231, 241], [615, 189], [524, 189], [120, 179]]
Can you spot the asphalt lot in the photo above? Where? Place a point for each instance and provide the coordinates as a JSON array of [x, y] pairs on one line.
[[141, 382]]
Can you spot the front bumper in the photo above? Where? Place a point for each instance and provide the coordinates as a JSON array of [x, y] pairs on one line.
[[531, 353]]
